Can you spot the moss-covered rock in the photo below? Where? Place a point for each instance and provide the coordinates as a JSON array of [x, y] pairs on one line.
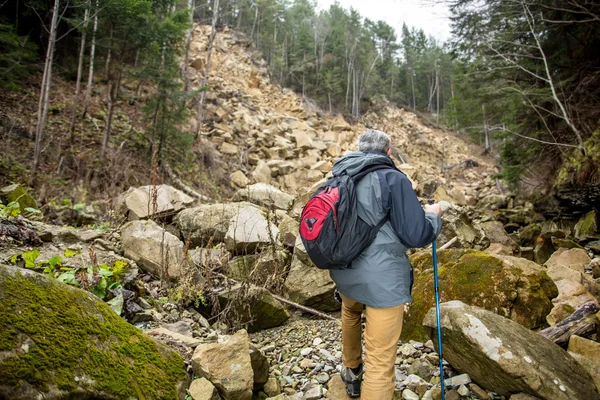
[[513, 287], [253, 306], [57, 341], [17, 193], [587, 227]]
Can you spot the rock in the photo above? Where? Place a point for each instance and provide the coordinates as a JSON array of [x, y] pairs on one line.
[[264, 195], [463, 379], [564, 243], [523, 396], [155, 250], [493, 201], [494, 231], [208, 223], [230, 149], [509, 286], [314, 393], [308, 285], [543, 250], [185, 340], [458, 223], [66, 343], [181, 327], [587, 353], [452, 395], [336, 389], [408, 394], [260, 366], [262, 172], [202, 389], [288, 231], [303, 141], [505, 357], [478, 392], [249, 230], [587, 227], [239, 179], [240, 267], [572, 258], [227, 365], [272, 387], [529, 234], [257, 307], [17, 193], [137, 203], [572, 295]]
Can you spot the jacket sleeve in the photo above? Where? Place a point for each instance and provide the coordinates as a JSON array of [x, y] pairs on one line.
[[414, 227]]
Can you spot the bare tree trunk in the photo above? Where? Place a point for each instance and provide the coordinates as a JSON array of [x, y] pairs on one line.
[[109, 54], [79, 72], [254, 23], [186, 65], [45, 90], [211, 39], [88, 88], [485, 129], [412, 79], [437, 86], [113, 91]]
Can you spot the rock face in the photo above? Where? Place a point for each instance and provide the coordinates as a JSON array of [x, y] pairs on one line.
[[257, 307], [66, 343], [494, 231], [308, 285], [506, 357], [155, 250], [587, 227], [572, 258], [513, 287], [208, 222], [17, 193], [227, 365], [265, 195], [248, 230], [136, 203]]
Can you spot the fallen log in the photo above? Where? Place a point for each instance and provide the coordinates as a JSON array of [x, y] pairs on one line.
[[583, 322]]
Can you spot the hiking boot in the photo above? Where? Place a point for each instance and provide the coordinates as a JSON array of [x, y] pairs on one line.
[[352, 377]]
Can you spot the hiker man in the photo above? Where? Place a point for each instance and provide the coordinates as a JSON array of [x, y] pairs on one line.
[[380, 280]]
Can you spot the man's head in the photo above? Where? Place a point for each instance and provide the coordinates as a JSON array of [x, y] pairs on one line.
[[375, 141]]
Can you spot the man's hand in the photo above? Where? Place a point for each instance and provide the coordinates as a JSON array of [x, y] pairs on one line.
[[434, 208]]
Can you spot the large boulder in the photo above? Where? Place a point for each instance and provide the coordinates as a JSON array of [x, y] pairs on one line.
[[207, 223], [227, 365], [308, 285], [571, 258], [253, 306], [513, 287], [265, 195], [139, 203], [507, 358], [458, 224], [249, 230], [571, 296], [155, 250], [58, 341], [17, 193], [494, 231]]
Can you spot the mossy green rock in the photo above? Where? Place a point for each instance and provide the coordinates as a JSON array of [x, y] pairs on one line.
[[17, 193], [587, 227], [513, 287], [57, 342]]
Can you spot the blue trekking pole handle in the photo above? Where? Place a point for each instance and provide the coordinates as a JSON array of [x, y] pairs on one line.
[[437, 313]]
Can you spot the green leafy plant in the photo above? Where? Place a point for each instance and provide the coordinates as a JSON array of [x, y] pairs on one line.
[[11, 210]]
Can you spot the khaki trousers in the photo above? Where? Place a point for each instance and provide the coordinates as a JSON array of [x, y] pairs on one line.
[[382, 333]]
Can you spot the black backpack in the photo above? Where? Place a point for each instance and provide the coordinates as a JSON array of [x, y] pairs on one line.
[[331, 230]]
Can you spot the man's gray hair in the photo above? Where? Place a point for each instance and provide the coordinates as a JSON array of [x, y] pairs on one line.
[[374, 141]]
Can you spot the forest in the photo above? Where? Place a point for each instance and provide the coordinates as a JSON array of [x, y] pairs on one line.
[[520, 77]]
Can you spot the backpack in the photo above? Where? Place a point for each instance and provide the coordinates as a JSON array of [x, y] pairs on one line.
[[330, 228]]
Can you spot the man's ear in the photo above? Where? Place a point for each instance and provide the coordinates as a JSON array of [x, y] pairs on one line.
[[389, 152]]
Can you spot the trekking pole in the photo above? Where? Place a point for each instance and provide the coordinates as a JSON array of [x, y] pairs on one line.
[[437, 314]]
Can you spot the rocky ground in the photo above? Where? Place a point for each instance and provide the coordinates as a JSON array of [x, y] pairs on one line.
[[213, 281]]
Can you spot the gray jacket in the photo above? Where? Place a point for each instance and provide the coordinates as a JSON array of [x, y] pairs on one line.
[[382, 276]]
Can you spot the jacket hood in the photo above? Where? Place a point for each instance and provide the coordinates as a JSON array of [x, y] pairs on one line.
[[353, 163]]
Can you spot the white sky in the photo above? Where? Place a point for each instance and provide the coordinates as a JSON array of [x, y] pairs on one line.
[[429, 15]]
